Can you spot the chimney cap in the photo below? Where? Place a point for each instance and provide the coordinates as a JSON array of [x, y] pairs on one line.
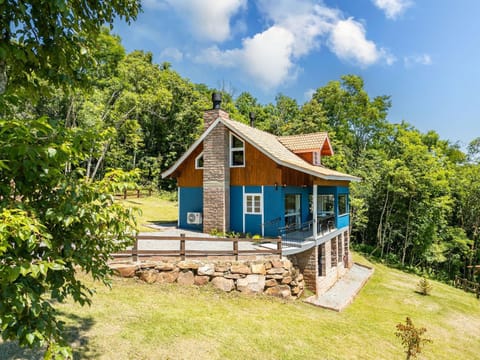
[[251, 115], [216, 100]]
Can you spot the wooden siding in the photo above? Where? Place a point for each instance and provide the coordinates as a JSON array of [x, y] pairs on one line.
[[295, 178], [322, 182], [307, 156], [258, 170], [186, 174]]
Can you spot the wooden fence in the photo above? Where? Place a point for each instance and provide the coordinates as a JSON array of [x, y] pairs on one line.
[[138, 193], [467, 285], [182, 251]]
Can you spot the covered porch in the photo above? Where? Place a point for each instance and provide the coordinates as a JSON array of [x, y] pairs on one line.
[[314, 217]]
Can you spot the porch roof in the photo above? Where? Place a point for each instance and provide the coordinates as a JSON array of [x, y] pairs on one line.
[[270, 146]]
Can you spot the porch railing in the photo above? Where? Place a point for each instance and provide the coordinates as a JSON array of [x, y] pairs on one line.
[[295, 234]]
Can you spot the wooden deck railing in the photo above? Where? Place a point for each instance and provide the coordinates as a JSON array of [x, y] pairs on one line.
[[182, 251], [467, 285]]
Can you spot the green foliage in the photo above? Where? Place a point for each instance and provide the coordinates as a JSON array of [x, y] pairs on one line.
[[424, 286], [53, 223], [412, 338], [54, 42]]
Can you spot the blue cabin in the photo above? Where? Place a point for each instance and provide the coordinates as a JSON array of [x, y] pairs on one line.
[[236, 177]]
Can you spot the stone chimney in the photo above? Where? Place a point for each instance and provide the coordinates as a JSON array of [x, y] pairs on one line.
[[210, 116], [216, 171]]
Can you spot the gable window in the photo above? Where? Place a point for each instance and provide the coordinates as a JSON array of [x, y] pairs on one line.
[[199, 161], [342, 204], [253, 204], [237, 151], [316, 158]]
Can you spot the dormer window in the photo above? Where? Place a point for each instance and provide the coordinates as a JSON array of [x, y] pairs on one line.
[[316, 158], [199, 161], [237, 151]]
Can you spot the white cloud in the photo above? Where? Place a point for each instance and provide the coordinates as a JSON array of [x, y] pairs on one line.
[[423, 59], [393, 8], [216, 57], [267, 56], [209, 21], [295, 29], [305, 20], [348, 42], [171, 53]]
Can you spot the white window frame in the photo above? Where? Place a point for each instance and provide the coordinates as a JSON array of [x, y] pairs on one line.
[[252, 211], [235, 149], [316, 158], [196, 161]]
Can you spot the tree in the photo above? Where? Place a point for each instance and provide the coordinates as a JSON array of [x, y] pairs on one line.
[[53, 220], [54, 40]]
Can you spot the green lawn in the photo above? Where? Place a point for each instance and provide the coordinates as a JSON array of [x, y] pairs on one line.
[[134, 320], [154, 210]]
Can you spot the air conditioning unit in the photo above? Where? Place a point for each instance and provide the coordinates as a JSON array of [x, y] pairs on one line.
[[194, 218]]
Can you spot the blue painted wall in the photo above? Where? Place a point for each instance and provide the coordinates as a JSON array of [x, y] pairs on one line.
[[236, 209], [274, 209], [191, 200]]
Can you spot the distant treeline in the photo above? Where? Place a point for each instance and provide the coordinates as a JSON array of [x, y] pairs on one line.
[[418, 204]]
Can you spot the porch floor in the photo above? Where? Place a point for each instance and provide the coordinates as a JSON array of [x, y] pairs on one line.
[[340, 295]]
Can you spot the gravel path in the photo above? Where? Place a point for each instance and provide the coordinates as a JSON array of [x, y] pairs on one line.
[[345, 289]]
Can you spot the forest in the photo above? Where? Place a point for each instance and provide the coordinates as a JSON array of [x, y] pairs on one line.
[[418, 205]]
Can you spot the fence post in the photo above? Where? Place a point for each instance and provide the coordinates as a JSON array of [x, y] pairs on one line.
[[135, 250], [138, 193], [124, 193], [235, 248], [182, 247], [279, 246]]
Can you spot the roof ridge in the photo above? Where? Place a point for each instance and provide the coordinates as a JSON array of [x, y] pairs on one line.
[[307, 134]]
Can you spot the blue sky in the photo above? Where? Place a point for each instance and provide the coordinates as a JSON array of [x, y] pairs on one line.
[[423, 53]]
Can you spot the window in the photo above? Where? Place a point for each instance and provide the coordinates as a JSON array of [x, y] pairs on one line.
[[253, 203], [316, 158], [292, 209], [325, 204], [342, 204], [199, 161], [237, 151]]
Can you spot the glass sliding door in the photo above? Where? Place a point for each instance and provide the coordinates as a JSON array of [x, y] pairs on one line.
[[293, 210]]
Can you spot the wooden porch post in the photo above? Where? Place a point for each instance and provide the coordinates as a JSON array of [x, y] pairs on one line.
[[314, 215]]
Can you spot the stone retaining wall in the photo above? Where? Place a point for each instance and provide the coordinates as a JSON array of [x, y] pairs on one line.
[[271, 277]]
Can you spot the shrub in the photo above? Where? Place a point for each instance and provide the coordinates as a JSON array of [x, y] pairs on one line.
[[424, 286], [411, 338]]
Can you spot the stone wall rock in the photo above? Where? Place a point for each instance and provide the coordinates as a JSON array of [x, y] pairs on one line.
[[271, 277], [223, 284], [186, 278], [252, 284]]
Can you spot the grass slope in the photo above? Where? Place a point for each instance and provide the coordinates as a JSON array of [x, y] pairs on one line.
[[154, 210], [134, 320]]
